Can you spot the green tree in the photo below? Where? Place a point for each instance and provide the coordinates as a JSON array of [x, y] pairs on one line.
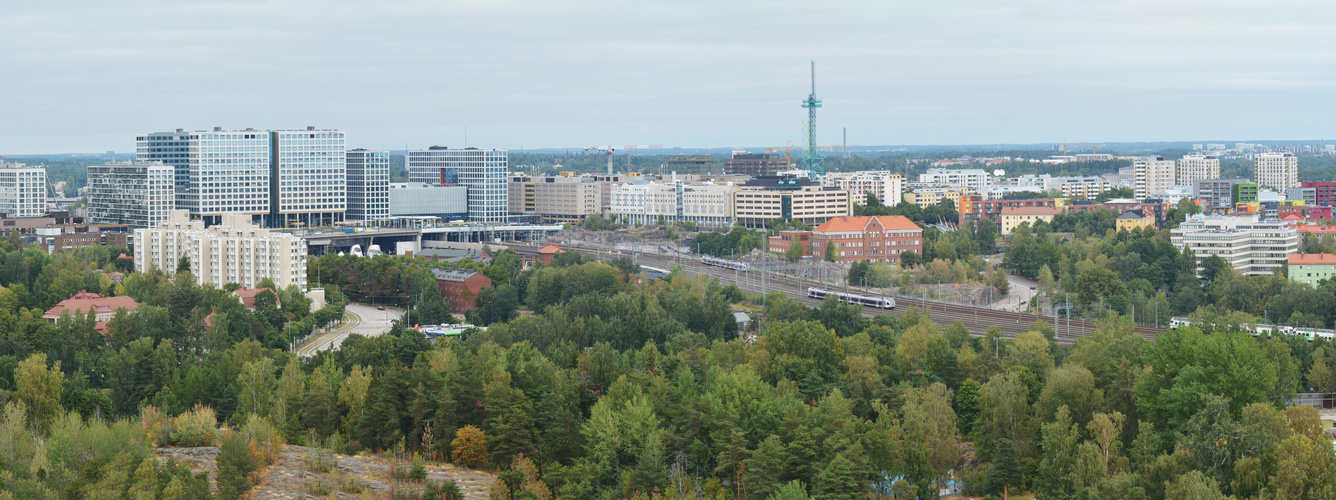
[[1214, 267], [1005, 473], [235, 465], [764, 468], [910, 259], [39, 389], [839, 481], [1098, 283], [795, 252], [830, 251], [183, 264]]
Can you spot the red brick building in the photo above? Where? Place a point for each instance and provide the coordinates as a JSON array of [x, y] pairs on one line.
[[546, 253], [460, 287], [973, 207], [781, 243], [874, 239]]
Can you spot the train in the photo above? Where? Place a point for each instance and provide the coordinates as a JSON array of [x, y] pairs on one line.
[[878, 302], [1258, 330], [724, 263]]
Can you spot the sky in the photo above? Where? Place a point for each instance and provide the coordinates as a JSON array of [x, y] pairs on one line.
[[86, 76]]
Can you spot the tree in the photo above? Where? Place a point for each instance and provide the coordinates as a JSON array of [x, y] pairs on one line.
[[236, 461], [39, 389], [470, 448], [764, 468], [1005, 473], [910, 259], [183, 264], [1213, 267], [839, 480], [1319, 375], [795, 252], [255, 384], [1098, 283], [830, 251]]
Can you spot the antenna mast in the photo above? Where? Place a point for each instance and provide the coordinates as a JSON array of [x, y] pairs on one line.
[[811, 160]]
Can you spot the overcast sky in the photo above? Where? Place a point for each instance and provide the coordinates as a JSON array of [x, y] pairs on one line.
[[85, 76]]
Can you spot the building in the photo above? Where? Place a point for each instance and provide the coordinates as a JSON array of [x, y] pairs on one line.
[[966, 178], [1305, 195], [555, 198], [1152, 176], [755, 164], [882, 183], [247, 296], [1324, 193], [1276, 170], [1015, 216], [460, 287], [696, 164], [765, 199], [1245, 193], [1311, 268], [926, 196], [520, 197], [59, 238], [1193, 168], [1253, 247], [1172, 195], [1217, 194], [368, 184], [103, 308], [22, 190], [874, 239], [973, 207], [136, 194], [546, 253], [482, 171], [234, 251], [1134, 219], [780, 244], [284, 177], [417, 199]]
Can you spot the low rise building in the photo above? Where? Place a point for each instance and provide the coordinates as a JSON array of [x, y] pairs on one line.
[[873, 239], [1252, 246], [1324, 193], [789, 198], [782, 243], [103, 308], [929, 195], [966, 178], [973, 207], [1015, 216], [1217, 195], [1311, 268], [460, 287], [1133, 219]]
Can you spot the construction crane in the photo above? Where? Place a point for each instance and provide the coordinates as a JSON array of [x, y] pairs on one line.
[[1063, 145], [787, 149], [610, 149]]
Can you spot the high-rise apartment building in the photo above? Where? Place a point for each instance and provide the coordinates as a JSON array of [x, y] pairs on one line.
[[368, 184], [287, 177], [1193, 168], [483, 171], [22, 190], [887, 186], [1152, 176], [138, 194], [1278, 171], [233, 251]]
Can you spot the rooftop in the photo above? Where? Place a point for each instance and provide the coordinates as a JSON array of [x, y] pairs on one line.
[[1312, 258], [846, 224], [452, 274], [1031, 211]]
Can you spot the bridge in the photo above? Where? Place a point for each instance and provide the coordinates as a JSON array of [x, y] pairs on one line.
[[339, 240]]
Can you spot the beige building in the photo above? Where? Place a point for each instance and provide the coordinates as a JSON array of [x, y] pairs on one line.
[[1252, 246], [1152, 176], [709, 205], [235, 251], [1279, 171], [931, 195], [767, 199], [1134, 219], [1193, 168], [1014, 216]]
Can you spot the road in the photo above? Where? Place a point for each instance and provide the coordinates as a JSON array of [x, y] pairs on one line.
[[1018, 296], [360, 319]]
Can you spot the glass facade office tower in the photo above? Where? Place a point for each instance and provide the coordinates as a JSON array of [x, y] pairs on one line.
[[483, 171], [368, 184], [309, 172], [170, 148]]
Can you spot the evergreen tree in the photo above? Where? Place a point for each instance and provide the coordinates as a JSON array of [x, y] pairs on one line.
[[1005, 473], [839, 481], [764, 468]]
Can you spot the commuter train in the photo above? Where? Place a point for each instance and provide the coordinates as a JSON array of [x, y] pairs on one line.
[[878, 302], [1263, 329], [724, 263]]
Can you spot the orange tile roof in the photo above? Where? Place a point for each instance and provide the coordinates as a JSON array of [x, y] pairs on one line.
[[247, 296], [1031, 210], [849, 224], [552, 248], [1316, 228], [1312, 258], [83, 302]]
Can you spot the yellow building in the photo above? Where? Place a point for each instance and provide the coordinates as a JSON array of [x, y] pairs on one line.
[[1014, 216], [1134, 219], [925, 197]]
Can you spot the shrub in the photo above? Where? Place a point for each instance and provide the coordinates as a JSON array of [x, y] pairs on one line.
[[237, 459], [156, 425], [470, 447], [419, 472], [267, 438], [195, 427]]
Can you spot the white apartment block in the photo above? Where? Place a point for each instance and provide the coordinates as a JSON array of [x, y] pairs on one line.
[[993, 192], [888, 187], [22, 190], [1152, 176], [138, 194], [1193, 168], [1253, 247], [708, 204], [1279, 171], [968, 178], [368, 184], [234, 251], [483, 171]]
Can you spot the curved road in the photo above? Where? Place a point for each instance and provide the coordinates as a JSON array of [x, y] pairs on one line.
[[360, 319]]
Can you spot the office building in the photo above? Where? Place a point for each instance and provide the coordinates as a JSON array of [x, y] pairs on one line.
[[1193, 168], [755, 164], [1152, 176], [1015, 216], [368, 175], [1306, 196], [460, 287], [1312, 268], [136, 194], [22, 190], [1276, 170], [482, 171], [1253, 247], [309, 181], [170, 148], [1217, 195], [882, 183], [1245, 193], [968, 178], [1324, 193], [417, 199], [520, 202], [233, 251], [708, 205], [873, 239], [768, 198], [692, 164]]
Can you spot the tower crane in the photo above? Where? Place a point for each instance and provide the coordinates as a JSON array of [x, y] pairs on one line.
[[610, 149]]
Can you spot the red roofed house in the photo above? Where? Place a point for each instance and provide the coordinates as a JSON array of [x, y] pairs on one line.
[[247, 296], [874, 239], [546, 253], [1312, 268], [84, 302]]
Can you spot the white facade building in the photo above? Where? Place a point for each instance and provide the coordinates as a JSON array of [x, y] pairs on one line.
[[888, 187], [138, 194], [1152, 176], [422, 199], [968, 178], [310, 181], [483, 171], [1253, 247], [1193, 168], [368, 184], [22, 190], [708, 205], [234, 251], [1278, 171]]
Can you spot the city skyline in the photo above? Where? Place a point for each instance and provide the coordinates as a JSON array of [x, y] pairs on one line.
[[591, 73]]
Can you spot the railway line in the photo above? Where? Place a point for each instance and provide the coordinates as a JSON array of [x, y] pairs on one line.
[[976, 319]]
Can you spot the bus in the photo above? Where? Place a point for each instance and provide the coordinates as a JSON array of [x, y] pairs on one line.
[[878, 302]]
